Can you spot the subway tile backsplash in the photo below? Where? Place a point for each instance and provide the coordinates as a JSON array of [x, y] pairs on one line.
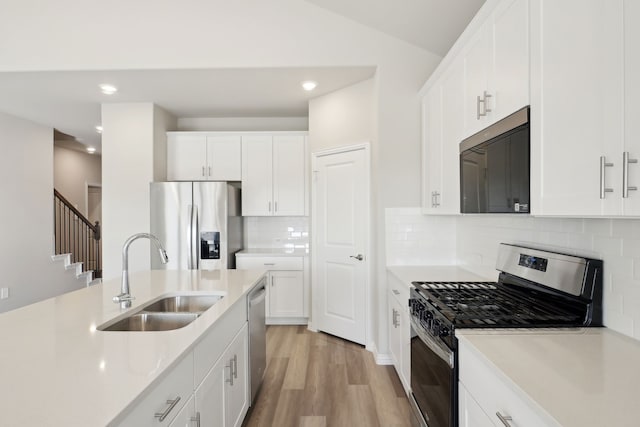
[[276, 232], [615, 241], [416, 239], [472, 242]]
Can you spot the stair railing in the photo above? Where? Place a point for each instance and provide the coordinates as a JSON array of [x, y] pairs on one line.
[[76, 235]]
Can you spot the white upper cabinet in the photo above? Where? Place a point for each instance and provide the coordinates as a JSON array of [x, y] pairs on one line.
[[496, 62], [200, 156], [631, 174], [577, 107], [273, 175], [442, 124]]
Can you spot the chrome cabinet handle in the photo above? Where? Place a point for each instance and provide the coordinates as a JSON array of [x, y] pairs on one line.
[[230, 366], [269, 263], [504, 418], [235, 366], [396, 292], [359, 257], [603, 186], [209, 170], [275, 209], [196, 419], [436, 194], [625, 174], [484, 103], [203, 171], [172, 404]]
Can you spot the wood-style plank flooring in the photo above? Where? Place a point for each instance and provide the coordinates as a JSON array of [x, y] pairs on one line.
[[318, 380]]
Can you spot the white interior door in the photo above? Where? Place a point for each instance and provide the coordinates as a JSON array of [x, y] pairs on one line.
[[341, 225]]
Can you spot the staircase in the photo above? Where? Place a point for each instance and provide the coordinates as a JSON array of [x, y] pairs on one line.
[[77, 241]]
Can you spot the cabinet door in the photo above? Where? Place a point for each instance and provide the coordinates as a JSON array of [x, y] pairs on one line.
[[509, 82], [224, 158], [187, 417], [576, 107], [395, 335], [236, 400], [288, 175], [257, 176], [477, 62], [469, 412], [186, 157], [631, 105], [286, 294], [432, 149], [210, 400], [452, 121]]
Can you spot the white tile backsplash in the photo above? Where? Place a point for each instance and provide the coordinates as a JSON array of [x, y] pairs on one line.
[[276, 232], [472, 241], [615, 241], [416, 239]]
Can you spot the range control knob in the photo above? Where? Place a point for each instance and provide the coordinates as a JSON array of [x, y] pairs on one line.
[[444, 332]]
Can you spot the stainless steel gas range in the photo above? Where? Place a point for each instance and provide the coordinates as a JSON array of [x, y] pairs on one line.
[[535, 288]]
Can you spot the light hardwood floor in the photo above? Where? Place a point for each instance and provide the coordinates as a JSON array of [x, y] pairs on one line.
[[318, 380]]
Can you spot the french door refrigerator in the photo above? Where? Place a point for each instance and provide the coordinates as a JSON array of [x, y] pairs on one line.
[[199, 223]]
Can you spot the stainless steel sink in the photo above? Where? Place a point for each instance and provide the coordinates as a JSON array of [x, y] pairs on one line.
[[152, 322], [166, 314], [183, 304]]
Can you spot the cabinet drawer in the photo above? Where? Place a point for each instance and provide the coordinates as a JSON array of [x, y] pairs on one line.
[[494, 395], [214, 343], [269, 263], [178, 383], [399, 290]]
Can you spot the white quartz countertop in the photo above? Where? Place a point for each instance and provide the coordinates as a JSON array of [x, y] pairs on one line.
[[582, 378], [273, 252], [56, 369], [445, 273]]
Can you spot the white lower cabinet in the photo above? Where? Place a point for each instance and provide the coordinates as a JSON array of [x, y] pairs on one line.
[[210, 383], [400, 330], [485, 398], [222, 398], [287, 287]]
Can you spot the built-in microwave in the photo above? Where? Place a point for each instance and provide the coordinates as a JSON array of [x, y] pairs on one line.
[[495, 167]]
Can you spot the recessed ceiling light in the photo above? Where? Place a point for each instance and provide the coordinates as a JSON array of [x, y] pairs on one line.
[[99, 129], [309, 85], [108, 89], [91, 150]]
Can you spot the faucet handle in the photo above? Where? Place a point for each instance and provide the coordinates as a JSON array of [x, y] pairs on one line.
[[123, 297]]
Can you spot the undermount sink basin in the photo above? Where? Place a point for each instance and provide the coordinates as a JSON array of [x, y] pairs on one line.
[[152, 322], [183, 304], [166, 314]]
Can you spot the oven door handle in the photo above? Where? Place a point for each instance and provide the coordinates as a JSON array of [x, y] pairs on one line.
[[440, 350]]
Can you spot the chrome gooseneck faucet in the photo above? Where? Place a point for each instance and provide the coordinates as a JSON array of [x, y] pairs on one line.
[[125, 293]]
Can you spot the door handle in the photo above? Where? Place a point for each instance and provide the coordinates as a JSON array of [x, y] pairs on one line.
[[359, 257]]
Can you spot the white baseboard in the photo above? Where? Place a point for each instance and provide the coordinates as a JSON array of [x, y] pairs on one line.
[[286, 321]]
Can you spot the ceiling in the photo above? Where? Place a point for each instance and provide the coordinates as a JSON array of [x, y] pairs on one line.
[[433, 25], [69, 101]]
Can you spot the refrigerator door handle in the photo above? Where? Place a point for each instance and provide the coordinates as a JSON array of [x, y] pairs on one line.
[[195, 231], [190, 233]]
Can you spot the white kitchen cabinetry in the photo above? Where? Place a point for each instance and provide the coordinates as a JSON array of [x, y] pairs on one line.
[[577, 107], [442, 124], [482, 391], [222, 398], [631, 106], [287, 289], [273, 175], [399, 330], [496, 62], [210, 382], [196, 156]]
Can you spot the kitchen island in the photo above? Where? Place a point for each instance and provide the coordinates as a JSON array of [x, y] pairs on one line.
[[58, 369]]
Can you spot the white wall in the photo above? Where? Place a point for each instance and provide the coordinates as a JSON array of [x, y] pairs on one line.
[[243, 124], [26, 217], [72, 171]]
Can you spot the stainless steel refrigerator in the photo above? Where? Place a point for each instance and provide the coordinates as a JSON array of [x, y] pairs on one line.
[[199, 223]]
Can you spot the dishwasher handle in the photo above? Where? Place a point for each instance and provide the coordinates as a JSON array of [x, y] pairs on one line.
[[257, 296]]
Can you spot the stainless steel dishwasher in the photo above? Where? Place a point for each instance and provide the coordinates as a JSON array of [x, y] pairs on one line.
[[257, 337]]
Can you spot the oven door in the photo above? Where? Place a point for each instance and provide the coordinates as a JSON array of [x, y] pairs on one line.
[[433, 379]]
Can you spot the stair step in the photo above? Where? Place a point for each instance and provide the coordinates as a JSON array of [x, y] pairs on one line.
[[61, 257]]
